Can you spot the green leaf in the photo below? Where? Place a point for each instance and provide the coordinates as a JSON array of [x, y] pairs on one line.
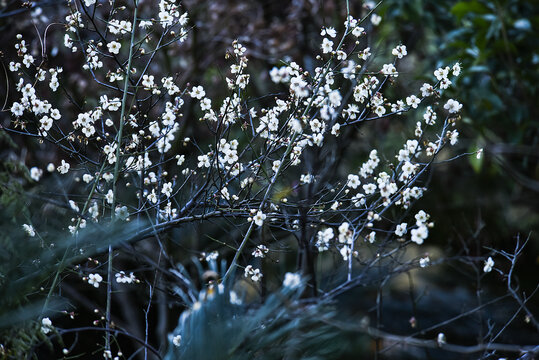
[[466, 7]]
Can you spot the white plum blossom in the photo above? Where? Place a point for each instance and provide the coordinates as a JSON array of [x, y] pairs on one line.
[[453, 136], [345, 234], [456, 69], [389, 70], [426, 90], [292, 280], [421, 217], [260, 251], [17, 109], [440, 339], [358, 31], [376, 19], [29, 229], [46, 325], [177, 340], [401, 229], [413, 101], [259, 218], [203, 161], [323, 238], [327, 46], [95, 280], [254, 274], [489, 264], [330, 31], [369, 189], [121, 212], [197, 92], [424, 262], [419, 234], [122, 278], [371, 237], [441, 73], [399, 51], [148, 81], [345, 251], [36, 173], [109, 197], [452, 106], [275, 166], [63, 168], [353, 181]]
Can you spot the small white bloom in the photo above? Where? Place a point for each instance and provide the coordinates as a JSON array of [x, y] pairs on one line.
[[345, 252], [453, 136], [108, 177], [358, 31], [441, 73], [235, 299], [306, 178], [198, 92], [399, 51], [456, 69], [254, 274], [353, 181], [401, 229], [46, 325], [371, 237], [260, 251], [424, 262], [292, 280], [440, 339], [109, 197], [114, 47], [489, 263], [259, 218], [17, 109], [376, 19], [479, 154], [152, 197], [276, 165], [121, 212], [426, 90], [36, 173], [369, 189], [203, 161], [331, 32], [389, 70], [73, 205], [413, 101], [87, 178], [29, 229], [452, 106], [327, 46], [147, 81], [64, 167], [420, 234], [176, 340], [95, 280], [181, 159], [122, 278]]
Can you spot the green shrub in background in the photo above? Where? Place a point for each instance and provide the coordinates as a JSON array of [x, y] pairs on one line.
[[496, 42]]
